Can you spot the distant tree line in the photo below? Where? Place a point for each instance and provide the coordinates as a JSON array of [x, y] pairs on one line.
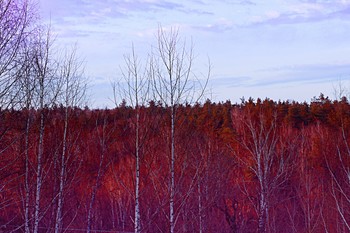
[[257, 166]]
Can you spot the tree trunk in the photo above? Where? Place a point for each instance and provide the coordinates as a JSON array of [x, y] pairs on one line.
[[92, 199], [137, 178], [172, 171], [58, 223], [39, 173], [27, 191]]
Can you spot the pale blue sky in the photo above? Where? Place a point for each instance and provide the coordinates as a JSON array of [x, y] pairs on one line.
[[292, 49]]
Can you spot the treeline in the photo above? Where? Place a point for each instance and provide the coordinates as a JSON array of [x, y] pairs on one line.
[[257, 166]]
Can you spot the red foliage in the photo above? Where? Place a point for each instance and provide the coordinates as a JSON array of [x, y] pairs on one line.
[[217, 184]]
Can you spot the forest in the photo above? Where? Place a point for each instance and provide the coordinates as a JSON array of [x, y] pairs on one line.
[[257, 166], [165, 158]]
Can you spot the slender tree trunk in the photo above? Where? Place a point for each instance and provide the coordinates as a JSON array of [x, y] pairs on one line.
[[200, 208], [93, 194], [170, 75], [262, 197], [39, 172], [42, 65], [172, 171], [58, 223], [136, 93], [262, 214], [27, 191], [92, 200], [137, 178]]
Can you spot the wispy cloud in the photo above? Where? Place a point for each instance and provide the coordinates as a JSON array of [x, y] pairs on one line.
[[217, 26], [250, 14], [304, 11], [71, 12], [303, 74], [110, 8], [239, 2], [247, 2], [145, 5], [286, 76]]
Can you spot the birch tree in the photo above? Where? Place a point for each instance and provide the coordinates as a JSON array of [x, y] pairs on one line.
[[134, 89], [268, 156], [17, 20], [103, 139], [174, 83], [46, 91], [340, 183], [28, 85], [70, 73], [310, 191]]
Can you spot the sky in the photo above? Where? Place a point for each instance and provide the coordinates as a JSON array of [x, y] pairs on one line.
[[277, 49]]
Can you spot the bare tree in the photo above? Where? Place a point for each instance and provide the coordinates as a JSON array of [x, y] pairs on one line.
[[268, 157], [103, 136], [47, 89], [72, 94], [340, 90], [134, 89], [16, 20], [28, 85], [174, 83], [38, 89], [340, 183], [310, 191]]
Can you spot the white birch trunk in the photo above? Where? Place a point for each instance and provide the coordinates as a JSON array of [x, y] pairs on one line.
[[92, 199], [137, 168], [39, 169], [58, 223], [27, 191], [172, 171], [136, 93], [262, 198], [200, 208]]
